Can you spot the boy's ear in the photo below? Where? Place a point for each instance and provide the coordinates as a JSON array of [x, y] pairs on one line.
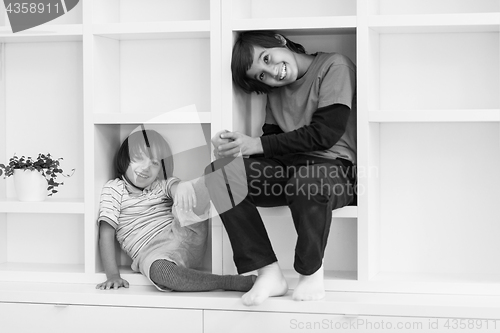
[[281, 39]]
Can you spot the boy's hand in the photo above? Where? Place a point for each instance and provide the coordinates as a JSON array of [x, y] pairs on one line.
[[185, 196], [217, 141], [113, 283], [239, 143]]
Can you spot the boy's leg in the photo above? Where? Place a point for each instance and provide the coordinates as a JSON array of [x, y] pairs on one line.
[[166, 273], [248, 236], [251, 246], [315, 190]]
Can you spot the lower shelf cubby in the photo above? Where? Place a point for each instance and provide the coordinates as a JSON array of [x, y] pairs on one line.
[[340, 262], [33, 250], [439, 190]]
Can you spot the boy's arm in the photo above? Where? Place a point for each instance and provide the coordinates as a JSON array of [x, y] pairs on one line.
[[327, 126], [107, 251], [191, 195], [192, 202]]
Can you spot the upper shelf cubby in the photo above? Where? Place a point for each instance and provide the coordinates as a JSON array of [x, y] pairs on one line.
[[151, 19], [414, 75], [291, 14], [260, 9], [427, 16], [67, 27], [133, 11]]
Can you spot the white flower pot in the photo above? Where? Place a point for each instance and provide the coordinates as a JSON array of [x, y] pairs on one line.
[[31, 185]]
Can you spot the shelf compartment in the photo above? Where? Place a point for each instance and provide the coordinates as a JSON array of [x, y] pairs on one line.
[[151, 76], [67, 27], [438, 203], [485, 115], [340, 262], [153, 30], [249, 110], [191, 156], [54, 206], [419, 71], [130, 11], [32, 243], [43, 96], [72, 17]]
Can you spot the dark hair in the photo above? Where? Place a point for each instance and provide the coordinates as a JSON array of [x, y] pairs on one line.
[[149, 143], [242, 57]]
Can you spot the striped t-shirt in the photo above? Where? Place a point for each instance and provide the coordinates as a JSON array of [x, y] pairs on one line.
[[137, 215]]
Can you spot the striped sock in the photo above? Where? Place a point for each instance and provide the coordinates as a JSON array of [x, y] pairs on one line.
[[166, 273]]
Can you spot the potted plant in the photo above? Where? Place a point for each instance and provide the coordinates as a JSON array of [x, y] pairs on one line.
[[34, 178]]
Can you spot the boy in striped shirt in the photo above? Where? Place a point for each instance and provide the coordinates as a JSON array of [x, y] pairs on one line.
[[137, 207]]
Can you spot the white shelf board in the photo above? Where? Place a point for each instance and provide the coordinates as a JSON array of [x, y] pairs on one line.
[[433, 283], [482, 22], [40, 267], [154, 30], [352, 304], [38, 272], [344, 212], [43, 33], [304, 25], [145, 118], [479, 115], [427, 277], [54, 206]]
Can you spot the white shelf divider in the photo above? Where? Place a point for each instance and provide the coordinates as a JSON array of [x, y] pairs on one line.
[[50, 206], [154, 30], [480, 115], [477, 22], [300, 24], [145, 118], [43, 33]]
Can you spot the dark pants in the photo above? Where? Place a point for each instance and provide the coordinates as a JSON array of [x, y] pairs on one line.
[[310, 186]]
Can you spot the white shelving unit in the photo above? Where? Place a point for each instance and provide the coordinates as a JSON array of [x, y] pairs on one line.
[[91, 77], [428, 89], [41, 107]]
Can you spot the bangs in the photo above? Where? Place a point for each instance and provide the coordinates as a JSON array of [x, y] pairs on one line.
[[241, 61], [140, 148], [145, 143]]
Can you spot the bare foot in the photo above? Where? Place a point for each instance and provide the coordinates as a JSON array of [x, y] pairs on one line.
[[270, 282], [310, 287]]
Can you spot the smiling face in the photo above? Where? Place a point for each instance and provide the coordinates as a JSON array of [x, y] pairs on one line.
[[143, 170], [275, 67]]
